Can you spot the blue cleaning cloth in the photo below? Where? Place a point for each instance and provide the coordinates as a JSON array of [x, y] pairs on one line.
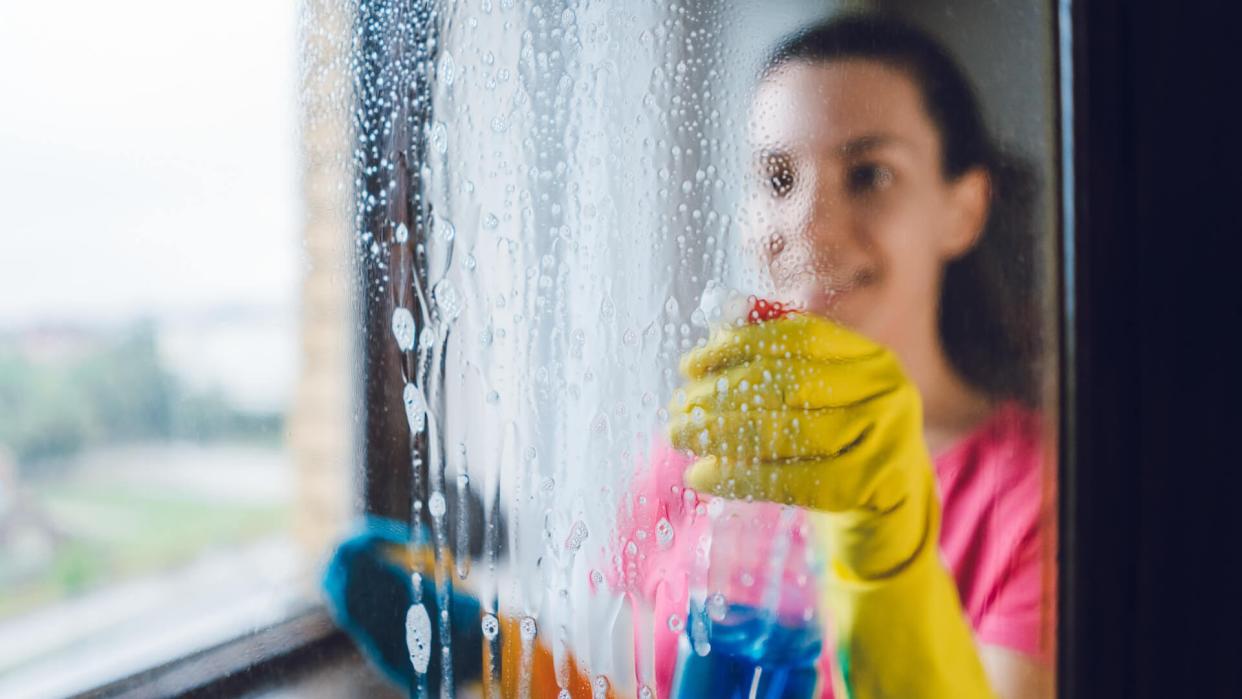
[[369, 588]]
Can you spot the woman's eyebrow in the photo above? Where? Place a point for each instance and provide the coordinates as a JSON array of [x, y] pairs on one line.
[[869, 142]]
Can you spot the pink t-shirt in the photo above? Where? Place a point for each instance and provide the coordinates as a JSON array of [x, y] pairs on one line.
[[992, 500]]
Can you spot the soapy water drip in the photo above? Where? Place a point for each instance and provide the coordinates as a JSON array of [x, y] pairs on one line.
[[436, 505], [577, 535], [403, 328], [418, 637], [491, 626], [415, 408], [528, 628], [664, 533]]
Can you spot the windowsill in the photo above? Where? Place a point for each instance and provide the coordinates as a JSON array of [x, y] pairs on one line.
[[343, 675], [241, 665], [102, 637]]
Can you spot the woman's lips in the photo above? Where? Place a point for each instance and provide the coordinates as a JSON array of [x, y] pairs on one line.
[[817, 293], [825, 300]]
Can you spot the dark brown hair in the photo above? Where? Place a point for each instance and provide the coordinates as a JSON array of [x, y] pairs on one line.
[[989, 320]]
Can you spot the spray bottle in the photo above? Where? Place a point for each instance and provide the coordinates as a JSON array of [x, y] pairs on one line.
[[748, 651]]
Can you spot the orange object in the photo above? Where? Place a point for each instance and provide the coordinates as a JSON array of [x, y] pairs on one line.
[[543, 682]]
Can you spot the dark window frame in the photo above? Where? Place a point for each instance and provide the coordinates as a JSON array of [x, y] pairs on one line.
[[1148, 570]]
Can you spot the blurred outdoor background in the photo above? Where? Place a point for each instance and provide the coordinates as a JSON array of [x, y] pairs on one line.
[[175, 357]]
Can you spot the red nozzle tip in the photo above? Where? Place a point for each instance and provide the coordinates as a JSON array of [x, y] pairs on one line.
[[763, 310]]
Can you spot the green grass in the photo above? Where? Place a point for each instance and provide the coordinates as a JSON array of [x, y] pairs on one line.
[[117, 534]]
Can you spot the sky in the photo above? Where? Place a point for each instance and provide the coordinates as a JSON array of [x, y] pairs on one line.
[[148, 158]]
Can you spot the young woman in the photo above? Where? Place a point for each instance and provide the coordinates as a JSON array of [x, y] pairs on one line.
[[897, 407]]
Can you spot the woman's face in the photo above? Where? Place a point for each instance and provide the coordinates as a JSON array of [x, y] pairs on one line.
[[852, 216]]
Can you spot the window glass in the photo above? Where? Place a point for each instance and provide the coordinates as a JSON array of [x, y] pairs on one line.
[[733, 321], [705, 346], [175, 436]]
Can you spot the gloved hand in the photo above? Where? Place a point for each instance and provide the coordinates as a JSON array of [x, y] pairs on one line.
[[369, 588], [801, 411]]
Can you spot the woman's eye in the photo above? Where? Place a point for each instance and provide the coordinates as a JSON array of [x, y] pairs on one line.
[[781, 182], [869, 178], [778, 175]]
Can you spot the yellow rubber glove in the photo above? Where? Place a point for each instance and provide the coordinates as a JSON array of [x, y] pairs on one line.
[[801, 411]]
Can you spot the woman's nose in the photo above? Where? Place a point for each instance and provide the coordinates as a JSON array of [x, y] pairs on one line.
[[827, 226]]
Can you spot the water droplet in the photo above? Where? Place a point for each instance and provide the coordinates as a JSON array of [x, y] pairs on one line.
[[688, 496], [415, 407], [493, 397], [471, 263], [631, 548], [427, 338], [698, 636], [577, 534], [436, 505], [664, 532], [439, 137], [418, 637], [606, 309], [716, 607], [448, 70], [645, 692], [597, 577], [599, 688], [675, 623], [490, 221], [564, 694], [528, 628], [447, 300], [491, 626], [448, 232], [402, 233], [671, 307], [600, 424], [403, 328]]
